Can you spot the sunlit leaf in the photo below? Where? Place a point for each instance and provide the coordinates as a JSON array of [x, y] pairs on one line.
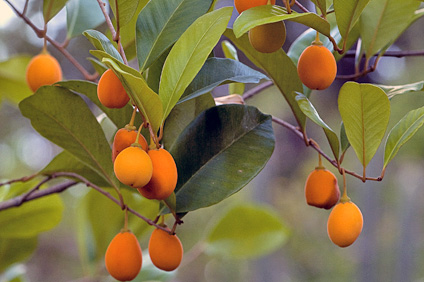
[[321, 5], [82, 15], [231, 52], [347, 14]]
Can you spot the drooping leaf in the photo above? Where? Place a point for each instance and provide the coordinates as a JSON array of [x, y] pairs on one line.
[[82, 15], [382, 21], [189, 54], [161, 23], [13, 250], [344, 142], [347, 14], [309, 110], [285, 78], [217, 71], [65, 119], [247, 231], [231, 52], [402, 132], [126, 10], [12, 79], [365, 111], [219, 153], [102, 43], [272, 13], [51, 8], [394, 90]]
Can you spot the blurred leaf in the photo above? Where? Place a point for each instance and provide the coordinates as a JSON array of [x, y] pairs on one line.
[[394, 90], [217, 71], [189, 54], [218, 153], [344, 142], [12, 79], [309, 110], [102, 43], [13, 250], [231, 52], [126, 10], [321, 5], [51, 8], [402, 132], [247, 231], [382, 21], [65, 119], [161, 23], [82, 15], [272, 13], [347, 14], [365, 111], [285, 78]]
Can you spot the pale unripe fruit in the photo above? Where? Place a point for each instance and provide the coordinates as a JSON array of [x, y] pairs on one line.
[[268, 38]]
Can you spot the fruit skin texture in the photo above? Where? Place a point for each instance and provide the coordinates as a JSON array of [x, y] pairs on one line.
[[133, 167], [43, 69], [165, 250], [110, 91], [321, 189], [344, 224], [123, 257], [123, 139], [268, 38], [317, 67], [243, 5], [164, 177]]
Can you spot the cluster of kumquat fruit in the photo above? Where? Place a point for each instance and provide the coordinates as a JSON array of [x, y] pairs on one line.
[[345, 222]]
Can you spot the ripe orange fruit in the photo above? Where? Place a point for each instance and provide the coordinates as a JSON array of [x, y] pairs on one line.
[[164, 177], [268, 38], [344, 224], [124, 138], [133, 167], [110, 91], [123, 257], [43, 69], [165, 250], [321, 189], [243, 5], [317, 67]]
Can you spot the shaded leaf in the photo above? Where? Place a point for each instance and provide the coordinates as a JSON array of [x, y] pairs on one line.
[[12, 79], [189, 54], [126, 10], [161, 23], [247, 231], [365, 111], [51, 8], [102, 43], [394, 90], [347, 14], [228, 146], [402, 132], [344, 142], [321, 5], [82, 15], [155, 70], [13, 250], [230, 52]]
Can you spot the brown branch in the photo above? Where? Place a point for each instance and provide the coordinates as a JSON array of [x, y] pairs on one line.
[[301, 7], [362, 73], [397, 54], [255, 90]]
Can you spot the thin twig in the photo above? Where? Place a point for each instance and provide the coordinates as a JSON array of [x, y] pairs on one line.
[[397, 54], [362, 73], [301, 7], [255, 90]]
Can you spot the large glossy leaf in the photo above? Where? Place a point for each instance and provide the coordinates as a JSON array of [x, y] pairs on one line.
[[217, 71], [246, 231], [161, 23], [189, 54], [230, 52], [65, 119], [347, 14], [271, 13], [365, 111], [402, 132], [13, 250], [51, 8], [82, 15], [12, 79], [285, 78], [126, 10], [382, 21], [101, 42], [394, 90], [221, 151], [309, 110]]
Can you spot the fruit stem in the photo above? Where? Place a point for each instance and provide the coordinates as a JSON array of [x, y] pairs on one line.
[[126, 220], [317, 41], [319, 160], [287, 4], [344, 198], [138, 133], [133, 116]]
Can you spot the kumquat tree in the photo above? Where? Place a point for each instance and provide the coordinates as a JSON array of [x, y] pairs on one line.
[[211, 140]]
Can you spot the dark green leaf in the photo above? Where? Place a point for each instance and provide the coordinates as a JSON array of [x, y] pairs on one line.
[[221, 151], [51, 8], [13, 250], [161, 23], [12, 79], [126, 10], [82, 15], [102, 43]]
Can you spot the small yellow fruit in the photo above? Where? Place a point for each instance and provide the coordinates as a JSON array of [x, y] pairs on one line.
[[133, 167]]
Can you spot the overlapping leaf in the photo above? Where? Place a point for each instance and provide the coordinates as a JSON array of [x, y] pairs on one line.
[[347, 14], [101, 42], [231, 52], [395, 90], [126, 10]]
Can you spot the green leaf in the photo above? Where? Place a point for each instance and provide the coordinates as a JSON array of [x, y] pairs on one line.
[[347, 14], [402, 132], [271, 13], [102, 43], [161, 23], [221, 151], [65, 119], [394, 90], [51, 8], [82, 15], [382, 21], [12, 79], [155, 70], [365, 111], [247, 231], [217, 71], [189, 54], [99, 67], [344, 142], [321, 5], [286, 79], [309, 110], [231, 52], [13, 250], [126, 10]]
